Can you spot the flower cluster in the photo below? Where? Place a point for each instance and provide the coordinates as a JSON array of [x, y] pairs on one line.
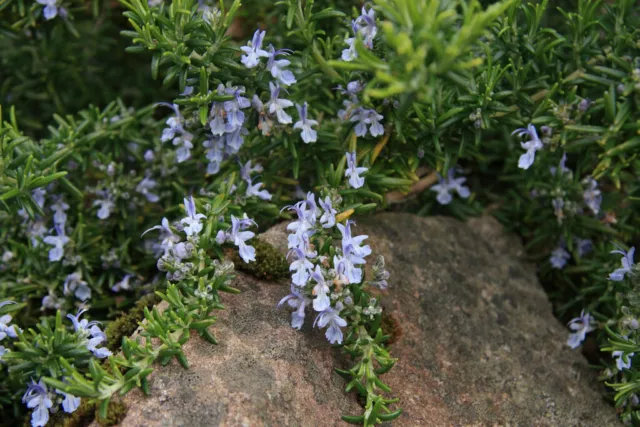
[[317, 280], [363, 26], [355, 112]]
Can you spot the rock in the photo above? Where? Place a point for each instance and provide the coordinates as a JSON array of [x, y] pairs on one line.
[[479, 345]]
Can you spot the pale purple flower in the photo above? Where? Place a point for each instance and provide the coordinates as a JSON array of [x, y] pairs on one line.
[[50, 10], [353, 172], [559, 257], [305, 125], [59, 208], [149, 156], [192, 224], [37, 398], [276, 105], [105, 207], [123, 284], [277, 66], [584, 246], [254, 190], [581, 325], [184, 144], [168, 238], [74, 283], [239, 237], [352, 245], [235, 115], [215, 154], [298, 301], [328, 218], [532, 145], [346, 269], [623, 361], [331, 317], [446, 186], [7, 330], [39, 196], [91, 331], [627, 264], [301, 267], [217, 114], [58, 242], [592, 196], [321, 291], [253, 51], [247, 169], [302, 228], [70, 402], [145, 187], [365, 25], [174, 123]]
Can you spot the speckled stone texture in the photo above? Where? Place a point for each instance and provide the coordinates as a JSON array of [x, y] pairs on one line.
[[479, 347]]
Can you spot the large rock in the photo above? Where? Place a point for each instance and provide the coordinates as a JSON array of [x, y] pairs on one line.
[[479, 345]]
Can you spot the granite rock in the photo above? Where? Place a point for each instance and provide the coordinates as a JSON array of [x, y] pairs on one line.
[[479, 344]]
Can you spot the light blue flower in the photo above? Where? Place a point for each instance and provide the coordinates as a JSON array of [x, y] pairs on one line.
[[91, 332], [192, 224], [3, 351], [105, 207], [277, 66], [174, 123], [123, 284], [365, 26], [7, 330], [74, 283], [253, 190], [592, 196], [145, 188], [328, 218], [352, 245], [353, 172], [37, 398], [581, 325], [623, 361], [214, 153], [247, 169], [627, 264], [168, 238], [70, 402], [253, 50], [58, 242], [331, 317], [276, 105], [50, 8], [305, 124], [321, 291], [532, 145], [238, 236], [301, 267], [584, 246], [559, 257], [235, 115], [298, 301], [446, 186], [59, 208]]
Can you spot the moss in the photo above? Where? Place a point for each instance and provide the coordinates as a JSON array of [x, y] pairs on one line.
[[87, 412], [127, 323], [270, 264]]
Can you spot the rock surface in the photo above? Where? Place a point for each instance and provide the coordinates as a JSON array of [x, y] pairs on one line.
[[479, 345]]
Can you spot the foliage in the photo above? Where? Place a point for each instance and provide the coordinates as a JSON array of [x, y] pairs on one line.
[[526, 110]]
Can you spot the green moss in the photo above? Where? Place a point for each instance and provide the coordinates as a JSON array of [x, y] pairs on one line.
[[270, 264], [87, 412], [127, 323]]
